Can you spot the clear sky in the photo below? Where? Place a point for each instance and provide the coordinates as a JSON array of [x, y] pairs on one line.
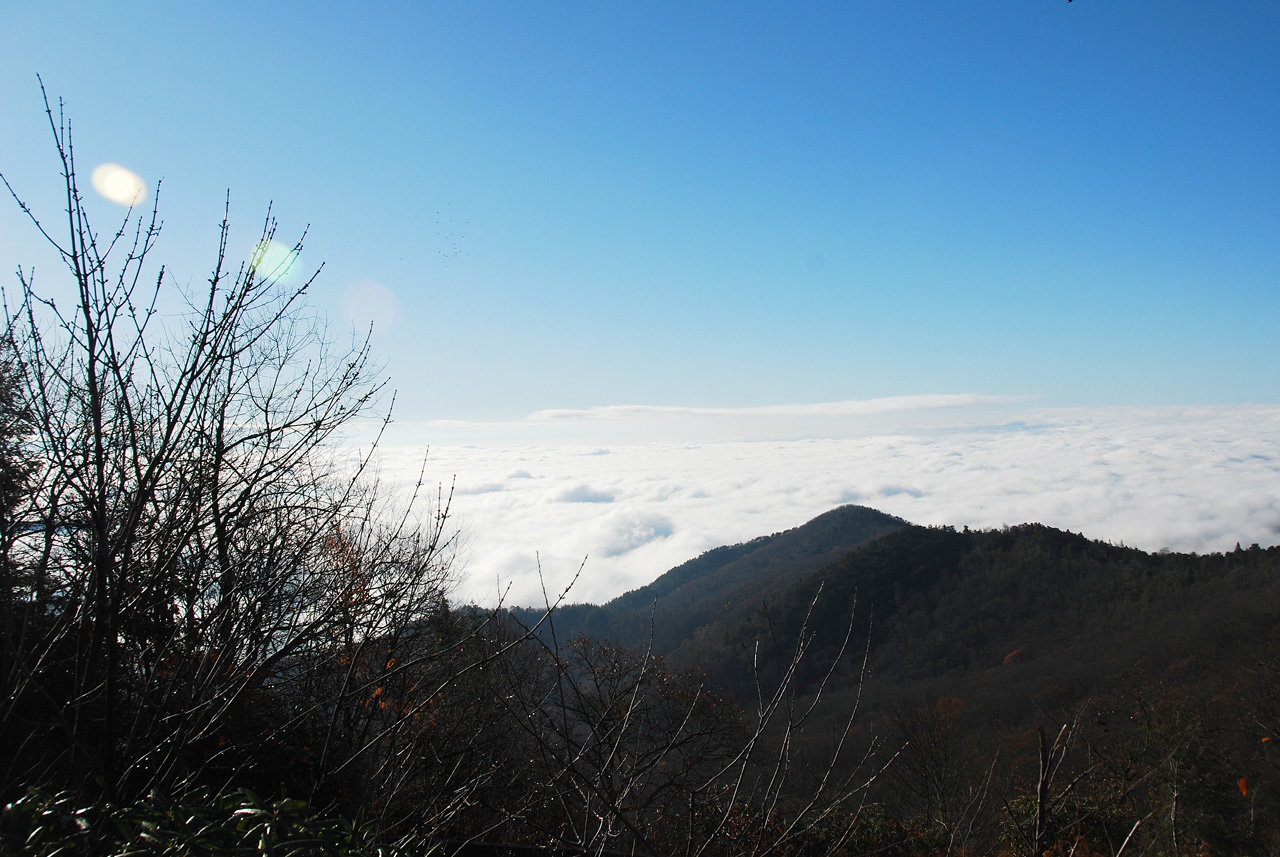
[[579, 205]]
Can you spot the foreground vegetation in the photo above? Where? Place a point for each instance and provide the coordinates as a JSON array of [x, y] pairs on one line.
[[218, 636]]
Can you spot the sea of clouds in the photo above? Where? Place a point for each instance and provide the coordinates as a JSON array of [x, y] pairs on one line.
[[529, 497]]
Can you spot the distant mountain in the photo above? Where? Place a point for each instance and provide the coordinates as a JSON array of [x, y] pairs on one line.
[[723, 585], [1013, 621]]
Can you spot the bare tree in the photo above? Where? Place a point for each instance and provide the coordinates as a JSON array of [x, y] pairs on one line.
[[938, 778], [198, 588], [187, 537]]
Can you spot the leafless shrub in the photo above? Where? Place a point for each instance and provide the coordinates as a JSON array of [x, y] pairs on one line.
[[185, 540], [630, 756]]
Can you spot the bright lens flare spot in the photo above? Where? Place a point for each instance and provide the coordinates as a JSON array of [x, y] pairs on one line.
[[274, 261], [119, 185]]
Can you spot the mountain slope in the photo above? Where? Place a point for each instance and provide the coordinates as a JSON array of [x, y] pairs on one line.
[[763, 565], [1021, 617], [1012, 620], [723, 584]]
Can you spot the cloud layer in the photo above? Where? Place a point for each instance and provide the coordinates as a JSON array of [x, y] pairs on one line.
[[1184, 478], [636, 424], [853, 407]]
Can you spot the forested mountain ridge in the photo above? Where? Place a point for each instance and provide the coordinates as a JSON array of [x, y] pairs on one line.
[[1015, 620], [940, 607], [982, 662], [768, 562], [723, 584]]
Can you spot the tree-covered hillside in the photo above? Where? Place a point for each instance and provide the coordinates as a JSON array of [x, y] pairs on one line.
[[1029, 600], [722, 585]]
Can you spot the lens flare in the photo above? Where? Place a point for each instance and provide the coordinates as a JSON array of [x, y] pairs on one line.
[[274, 261], [369, 303], [119, 185]]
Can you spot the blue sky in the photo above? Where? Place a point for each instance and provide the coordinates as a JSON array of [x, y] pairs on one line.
[[654, 277], [581, 205]]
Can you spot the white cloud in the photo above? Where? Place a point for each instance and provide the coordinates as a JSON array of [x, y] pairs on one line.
[[1184, 478], [486, 488], [636, 424], [853, 407], [584, 494], [623, 533]]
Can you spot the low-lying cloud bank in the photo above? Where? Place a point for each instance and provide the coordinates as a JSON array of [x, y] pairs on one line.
[[1189, 479], [636, 424], [851, 408]]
